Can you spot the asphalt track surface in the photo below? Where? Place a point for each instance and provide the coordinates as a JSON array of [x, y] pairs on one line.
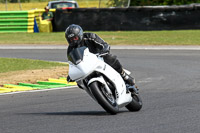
[[169, 86]]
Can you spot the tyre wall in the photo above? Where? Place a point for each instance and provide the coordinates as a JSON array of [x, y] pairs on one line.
[[128, 19]]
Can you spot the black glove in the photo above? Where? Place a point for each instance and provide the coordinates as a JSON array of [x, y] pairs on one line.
[[69, 79], [105, 50]]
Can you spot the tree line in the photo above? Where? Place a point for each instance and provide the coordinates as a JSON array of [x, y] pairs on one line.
[[161, 2], [116, 3], [123, 3]]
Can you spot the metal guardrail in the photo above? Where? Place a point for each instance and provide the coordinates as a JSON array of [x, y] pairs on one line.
[[19, 21]]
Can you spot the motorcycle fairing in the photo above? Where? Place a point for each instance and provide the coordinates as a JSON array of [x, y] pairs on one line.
[[91, 63]]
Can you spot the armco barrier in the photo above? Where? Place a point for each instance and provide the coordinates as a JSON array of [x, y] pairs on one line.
[[20, 21], [17, 21]]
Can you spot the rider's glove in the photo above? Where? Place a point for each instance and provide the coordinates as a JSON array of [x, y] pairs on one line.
[[106, 49], [69, 79]]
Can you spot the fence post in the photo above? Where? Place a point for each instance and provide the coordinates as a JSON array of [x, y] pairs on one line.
[[6, 6], [20, 6]]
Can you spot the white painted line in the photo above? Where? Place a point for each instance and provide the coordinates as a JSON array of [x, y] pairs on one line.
[[136, 47], [157, 47], [18, 92]]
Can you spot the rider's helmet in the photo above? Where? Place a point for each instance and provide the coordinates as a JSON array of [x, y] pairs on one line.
[[74, 34]]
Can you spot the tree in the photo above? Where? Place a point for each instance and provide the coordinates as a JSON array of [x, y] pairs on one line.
[[161, 2], [15, 1], [118, 3]]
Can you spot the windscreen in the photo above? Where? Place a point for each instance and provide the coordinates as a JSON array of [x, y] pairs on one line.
[[64, 4], [76, 55]]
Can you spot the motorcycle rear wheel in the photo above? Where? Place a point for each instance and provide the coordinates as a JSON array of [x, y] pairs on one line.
[[107, 102], [135, 104]]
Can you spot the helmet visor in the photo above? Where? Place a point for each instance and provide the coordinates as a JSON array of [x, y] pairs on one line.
[[75, 38]]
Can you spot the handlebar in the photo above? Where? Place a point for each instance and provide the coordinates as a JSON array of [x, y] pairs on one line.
[[101, 54]]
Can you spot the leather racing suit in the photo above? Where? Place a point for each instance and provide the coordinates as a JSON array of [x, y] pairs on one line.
[[97, 45]]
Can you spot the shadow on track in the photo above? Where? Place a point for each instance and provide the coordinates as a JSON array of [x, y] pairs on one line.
[[74, 113]]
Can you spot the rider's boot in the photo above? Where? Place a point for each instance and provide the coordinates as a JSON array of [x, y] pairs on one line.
[[130, 81], [127, 78]]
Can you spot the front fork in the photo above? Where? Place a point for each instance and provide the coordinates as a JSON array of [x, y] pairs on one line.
[[101, 80]]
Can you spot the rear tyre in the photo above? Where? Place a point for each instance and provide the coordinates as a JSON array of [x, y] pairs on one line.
[[107, 101], [135, 104]]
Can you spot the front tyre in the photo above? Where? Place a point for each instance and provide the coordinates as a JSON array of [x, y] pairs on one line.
[[107, 101], [135, 104]]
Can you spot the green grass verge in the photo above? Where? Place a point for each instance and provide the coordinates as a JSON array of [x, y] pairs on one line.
[[12, 64], [179, 37]]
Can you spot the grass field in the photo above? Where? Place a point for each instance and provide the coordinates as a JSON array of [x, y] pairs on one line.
[[11, 64], [41, 5], [180, 37]]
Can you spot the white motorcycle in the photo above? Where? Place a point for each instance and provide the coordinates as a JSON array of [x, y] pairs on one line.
[[104, 84]]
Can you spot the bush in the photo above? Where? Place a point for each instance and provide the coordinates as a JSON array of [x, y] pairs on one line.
[[117, 3], [161, 2]]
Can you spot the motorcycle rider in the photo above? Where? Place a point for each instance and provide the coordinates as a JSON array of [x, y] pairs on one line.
[[77, 38]]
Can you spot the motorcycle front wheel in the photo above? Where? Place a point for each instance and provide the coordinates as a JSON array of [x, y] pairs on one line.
[[106, 100], [135, 104]]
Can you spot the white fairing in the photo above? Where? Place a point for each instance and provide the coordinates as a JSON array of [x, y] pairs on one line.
[[91, 63], [85, 67], [120, 86]]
